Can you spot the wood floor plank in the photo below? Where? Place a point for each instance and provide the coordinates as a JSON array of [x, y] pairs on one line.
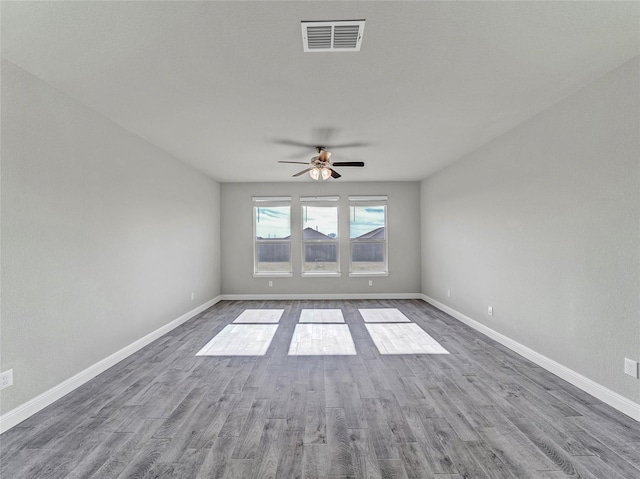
[[233, 424], [207, 434], [510, 449], [415, 461], [296, 405], [400, 429], [339, 450], [435, 445], [626, 459], [180, 413], [352, 404], [314, 461], [392, 469], [365, 463], [145, 458], [316, 375], [277, 406], [459, 422], [315, 418], [269, 449], [93, 461], [251, 432], [464, 461], [290, 462], [217, 459], [239, 469], [381, 435], [129, 450]]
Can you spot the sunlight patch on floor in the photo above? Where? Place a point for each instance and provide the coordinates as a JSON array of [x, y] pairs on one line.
[[394, 338], [321, 340], [383, 315], [241, 340], [321, 316], [260, 316]]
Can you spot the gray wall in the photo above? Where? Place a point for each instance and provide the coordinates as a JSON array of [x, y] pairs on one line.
[[237, 242], [104, 237], [543, 224]]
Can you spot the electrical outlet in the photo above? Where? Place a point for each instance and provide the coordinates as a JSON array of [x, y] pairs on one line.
[[490, 310], [270, 284], [6, 379], [631, 367], [370, 282], [448, 293], [192, 296]]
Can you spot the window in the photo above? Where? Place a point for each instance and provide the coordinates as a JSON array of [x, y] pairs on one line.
[[272, 233], [320, 253], [368, 235]]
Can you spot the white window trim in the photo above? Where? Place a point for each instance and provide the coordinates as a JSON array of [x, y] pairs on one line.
[[259, 202], [329, 201], [367, 274], [370, 201]]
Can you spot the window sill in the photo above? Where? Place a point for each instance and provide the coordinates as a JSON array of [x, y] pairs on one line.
[[320, 275], [272, 275], [363, 275]]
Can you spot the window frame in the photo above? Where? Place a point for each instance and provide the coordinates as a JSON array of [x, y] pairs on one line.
[[323, 202], [374, 201], [262, 202]]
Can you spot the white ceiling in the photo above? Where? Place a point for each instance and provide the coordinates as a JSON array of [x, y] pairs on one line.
[[216, 84]]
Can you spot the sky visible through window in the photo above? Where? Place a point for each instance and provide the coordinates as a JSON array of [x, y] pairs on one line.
[[274, 221], [322, 219], [363, 219]]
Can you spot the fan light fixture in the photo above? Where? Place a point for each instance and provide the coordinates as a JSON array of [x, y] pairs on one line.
[[320, 166], [317, 173]]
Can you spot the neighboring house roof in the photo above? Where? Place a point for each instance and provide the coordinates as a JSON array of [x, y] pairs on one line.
[[261, 238], [311, 234], [376, 234]]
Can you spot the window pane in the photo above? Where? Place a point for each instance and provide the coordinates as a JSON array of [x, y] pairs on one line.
[[367, 222], [319, 222], [273, 257], [320, 257], [273, 222], [367, 258]]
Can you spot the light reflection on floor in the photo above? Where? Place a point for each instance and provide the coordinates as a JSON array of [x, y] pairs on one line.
[[322, 340], [403, 338], [383, 315], [319, 332], [321, 316], [259, 316], [241, 340]]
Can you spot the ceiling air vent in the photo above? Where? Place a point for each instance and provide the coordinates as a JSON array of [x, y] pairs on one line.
[[339, 36]]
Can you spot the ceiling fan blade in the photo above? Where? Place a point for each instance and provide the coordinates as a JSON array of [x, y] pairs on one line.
[[294, 143], [348, 145], [348, 163], [298, 162], [302, 172], [334, 173]]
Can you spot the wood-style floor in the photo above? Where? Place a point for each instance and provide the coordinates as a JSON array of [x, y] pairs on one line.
[[480, 411]]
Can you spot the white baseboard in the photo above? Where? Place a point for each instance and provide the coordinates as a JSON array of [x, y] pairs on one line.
[[28, 409], [266, 297], [589, 386]]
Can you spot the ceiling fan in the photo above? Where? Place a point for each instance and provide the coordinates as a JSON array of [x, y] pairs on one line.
[[320, 166]]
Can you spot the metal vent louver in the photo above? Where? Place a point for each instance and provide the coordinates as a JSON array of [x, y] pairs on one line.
[[335, 36]]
